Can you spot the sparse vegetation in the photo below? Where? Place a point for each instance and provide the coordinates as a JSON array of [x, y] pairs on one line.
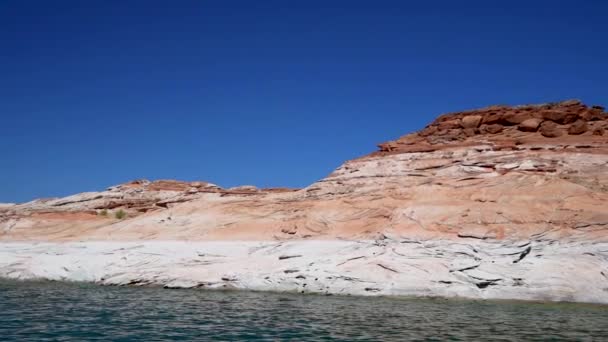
[[120, 214], [103, 213]]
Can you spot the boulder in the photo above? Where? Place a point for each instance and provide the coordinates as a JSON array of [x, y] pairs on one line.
[[515, 118], [550, 130], [598, 131], [470, 121], [578, 127], [491, 129], [530, 125], [559, 116], [593, 114], [492, 118]]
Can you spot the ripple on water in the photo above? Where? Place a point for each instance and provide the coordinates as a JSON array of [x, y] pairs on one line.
[[40, 311]]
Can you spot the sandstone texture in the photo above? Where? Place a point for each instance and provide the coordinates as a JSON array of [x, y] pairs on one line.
[[528, 270], [501, 202]]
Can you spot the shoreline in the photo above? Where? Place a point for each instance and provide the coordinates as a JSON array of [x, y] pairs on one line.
[[35, 282], [531, 271]]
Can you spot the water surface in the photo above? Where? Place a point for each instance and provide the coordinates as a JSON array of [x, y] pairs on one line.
[[51, 311]]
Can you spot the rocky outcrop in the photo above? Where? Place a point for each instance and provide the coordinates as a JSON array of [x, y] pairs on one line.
[[99, 208], [523, 189], [521, 124], [136, 196]]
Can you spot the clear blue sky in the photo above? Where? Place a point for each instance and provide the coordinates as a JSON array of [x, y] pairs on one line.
[[269, 93]]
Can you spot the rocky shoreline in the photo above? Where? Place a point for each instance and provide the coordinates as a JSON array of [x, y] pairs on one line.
[[501, 202], [522, 270]]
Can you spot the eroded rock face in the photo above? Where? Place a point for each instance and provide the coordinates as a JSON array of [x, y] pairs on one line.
[[451, 179], [522, 123], [92, 209], [525, 188]]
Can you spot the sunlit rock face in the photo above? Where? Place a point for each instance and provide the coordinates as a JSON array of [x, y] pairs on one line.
[[530, 181]]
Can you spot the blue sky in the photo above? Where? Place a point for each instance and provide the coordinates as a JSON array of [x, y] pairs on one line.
[[269, 93]]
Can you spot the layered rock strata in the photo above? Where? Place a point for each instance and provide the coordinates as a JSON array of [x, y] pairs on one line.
[[516, 196]]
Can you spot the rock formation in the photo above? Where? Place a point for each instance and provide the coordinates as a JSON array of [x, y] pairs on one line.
[[500, 202], [502, 125]]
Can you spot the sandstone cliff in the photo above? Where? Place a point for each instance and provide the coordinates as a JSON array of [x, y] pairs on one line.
[[491, 173], [500, 202]]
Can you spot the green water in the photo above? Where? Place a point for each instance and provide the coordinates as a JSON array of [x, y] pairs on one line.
[[46, 311]]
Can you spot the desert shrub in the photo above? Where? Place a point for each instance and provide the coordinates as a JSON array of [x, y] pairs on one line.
[[120, 214], [103, 212]]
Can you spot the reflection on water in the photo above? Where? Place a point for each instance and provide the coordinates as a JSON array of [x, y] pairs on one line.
[[38, 311]]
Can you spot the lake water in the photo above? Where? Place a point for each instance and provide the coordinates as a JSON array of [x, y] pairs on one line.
[[50, 311]]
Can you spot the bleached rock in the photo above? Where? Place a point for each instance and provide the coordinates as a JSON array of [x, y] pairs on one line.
[[571, 271]]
